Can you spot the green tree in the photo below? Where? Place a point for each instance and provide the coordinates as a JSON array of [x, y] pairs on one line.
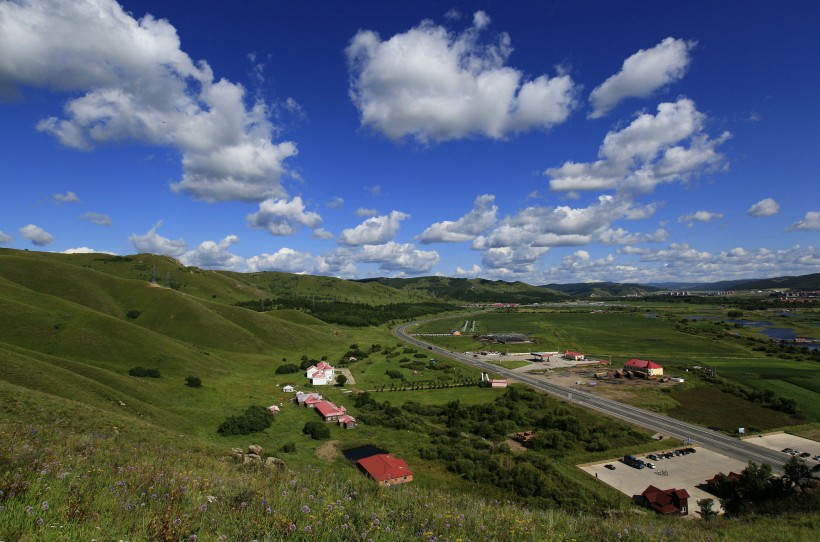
[[707, 511], [193, 381], [316, 430], [797, 474], [341, 380]]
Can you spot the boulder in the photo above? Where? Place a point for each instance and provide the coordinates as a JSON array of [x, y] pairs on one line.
[[237, 454], [252, 458], [274, 463], [255, 449]]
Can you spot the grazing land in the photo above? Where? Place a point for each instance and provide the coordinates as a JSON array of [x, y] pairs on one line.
[[104, 432]]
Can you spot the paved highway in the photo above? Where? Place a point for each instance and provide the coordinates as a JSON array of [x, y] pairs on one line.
[[712, 440]]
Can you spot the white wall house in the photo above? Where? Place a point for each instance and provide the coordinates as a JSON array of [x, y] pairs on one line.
[[321, 374]]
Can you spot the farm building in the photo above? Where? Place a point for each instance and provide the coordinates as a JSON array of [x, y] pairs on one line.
[[667, 501], [386, 469], [302, 398], [645, 367], [288, 389], [329, 411], [347, 421], [574, 356], [320, 374]]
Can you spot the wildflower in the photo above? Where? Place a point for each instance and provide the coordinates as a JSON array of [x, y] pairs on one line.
[[192, 538], [387, 529], [305, 509], [308, 528], [345, 526], [40, 521], [29, 510], [203, 508], [44, 506], [268, 510], [292, 527], [376, 522], [210, 499]]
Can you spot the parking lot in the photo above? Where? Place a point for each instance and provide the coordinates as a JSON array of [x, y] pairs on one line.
[[685, 471], [781, 441]]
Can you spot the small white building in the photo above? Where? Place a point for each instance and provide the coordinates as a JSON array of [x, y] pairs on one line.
[[288, 389], [321, 374]]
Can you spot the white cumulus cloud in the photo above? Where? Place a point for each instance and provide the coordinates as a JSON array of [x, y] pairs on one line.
[[376, 230], [363, 211], [136, 83], [154, 243], [764, 207], [211, 255], [668, 146], [466, 228], [84, 250], [37, 235], [809, 222], [700, 216], [5, 238], [68, 197], [97, 218], [432, 84], [285, 259], [642, 74], [401, 257], [280, 216]]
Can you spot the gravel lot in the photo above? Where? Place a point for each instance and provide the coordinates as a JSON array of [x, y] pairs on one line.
[[686, 471]]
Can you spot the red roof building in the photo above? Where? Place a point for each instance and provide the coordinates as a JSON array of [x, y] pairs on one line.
[[329, 411], [386, 469], [347, 421], [645, 367], [667, 501], [574, 356]]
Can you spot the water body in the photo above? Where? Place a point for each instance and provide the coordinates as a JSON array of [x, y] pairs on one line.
[[651, 314], [355, 454]]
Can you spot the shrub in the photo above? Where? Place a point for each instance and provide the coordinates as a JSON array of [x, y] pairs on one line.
[[255, 418], [288, 448], [143, 372], [341, 380], [133, 313], [287, 369], [316, 430], [392, 373], [193, 381]]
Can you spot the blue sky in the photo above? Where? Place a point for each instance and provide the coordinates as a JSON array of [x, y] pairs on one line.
[[538, 141]]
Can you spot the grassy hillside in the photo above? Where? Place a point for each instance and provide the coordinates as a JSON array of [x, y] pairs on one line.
[[472, 290], [602, 289]]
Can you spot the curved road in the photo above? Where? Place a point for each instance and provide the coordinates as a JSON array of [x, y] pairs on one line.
[[711, 440]]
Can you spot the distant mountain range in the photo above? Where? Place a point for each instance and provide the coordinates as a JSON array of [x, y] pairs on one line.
[[473, 290], [614, 289]]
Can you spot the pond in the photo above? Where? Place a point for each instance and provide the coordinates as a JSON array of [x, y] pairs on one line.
[[355, 454]]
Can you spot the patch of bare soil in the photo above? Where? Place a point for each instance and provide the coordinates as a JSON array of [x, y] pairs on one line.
[[515, 446], [327, 451]]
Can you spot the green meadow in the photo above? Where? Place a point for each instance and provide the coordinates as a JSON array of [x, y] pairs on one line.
[[88, 451]]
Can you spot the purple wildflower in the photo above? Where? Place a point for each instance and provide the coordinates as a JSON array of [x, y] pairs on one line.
[[308, 528], [44, 506], [305, 509]]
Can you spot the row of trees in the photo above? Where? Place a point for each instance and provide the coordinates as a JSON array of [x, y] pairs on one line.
[[757, 490]]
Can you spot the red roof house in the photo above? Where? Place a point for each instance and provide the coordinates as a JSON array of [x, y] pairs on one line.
[[386, 469], [667, 501], [646, 367], [347, 421], [574, 356], [329, 411]]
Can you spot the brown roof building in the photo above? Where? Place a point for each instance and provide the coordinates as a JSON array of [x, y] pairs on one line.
[[667, 501]]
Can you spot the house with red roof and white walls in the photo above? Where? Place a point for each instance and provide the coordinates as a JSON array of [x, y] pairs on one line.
[[649, 369], [386, 469], [321, 374]]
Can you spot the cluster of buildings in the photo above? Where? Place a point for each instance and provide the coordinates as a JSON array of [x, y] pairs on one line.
[[328, 410]]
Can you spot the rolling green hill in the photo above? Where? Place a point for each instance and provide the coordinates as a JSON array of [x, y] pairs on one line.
[[602, 289], [472, 290]]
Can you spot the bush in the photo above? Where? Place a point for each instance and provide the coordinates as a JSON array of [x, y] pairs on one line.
[[193, 381], [392, 373], [287, 369], [341, 380], [316, 430], [288, 448], [133, 313], [143, 372], [255, 418]]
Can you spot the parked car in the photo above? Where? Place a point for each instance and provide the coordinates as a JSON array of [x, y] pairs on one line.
[[650, 465], [609, 466], [805, 454], [691, 450]]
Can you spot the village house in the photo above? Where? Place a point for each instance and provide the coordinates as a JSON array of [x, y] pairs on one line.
[[524, 436], [386, 469], [347, 421], [302, 398], [329, 411], [320, 374], [649, 369], [573, 356], [667, 501]]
